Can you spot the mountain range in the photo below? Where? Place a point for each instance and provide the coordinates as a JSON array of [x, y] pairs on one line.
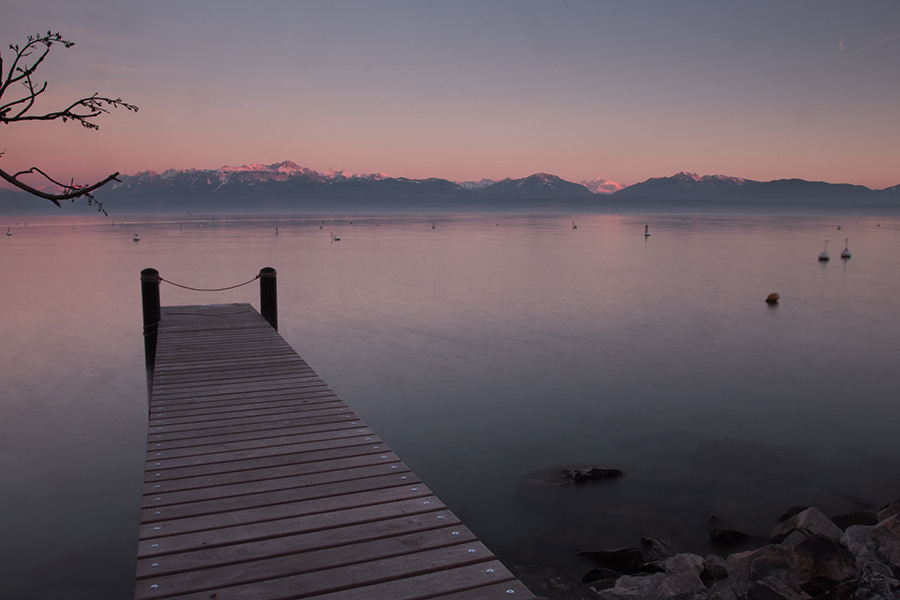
[[288, 187]]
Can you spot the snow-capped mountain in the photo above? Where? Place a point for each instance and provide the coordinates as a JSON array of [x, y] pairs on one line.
[[288, 175], [537, 184], [230, 178], [246, 175], [738, 191], [288, 186], [685, 185], [476, 185], [601, 186]]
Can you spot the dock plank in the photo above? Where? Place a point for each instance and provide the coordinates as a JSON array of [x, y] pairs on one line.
[[289, 545], [262, 483]]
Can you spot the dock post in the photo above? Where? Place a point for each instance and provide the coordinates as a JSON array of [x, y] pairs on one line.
[[150, 302], [268, 297]]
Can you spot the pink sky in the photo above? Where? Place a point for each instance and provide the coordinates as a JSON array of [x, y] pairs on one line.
[[470, 90]]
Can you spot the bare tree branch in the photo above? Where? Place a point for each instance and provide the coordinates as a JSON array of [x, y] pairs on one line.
[[71, 191], [26, 60], [94, 105]]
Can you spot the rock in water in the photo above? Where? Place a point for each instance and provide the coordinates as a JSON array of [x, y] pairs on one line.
[[623, 560], [726, 541], [590, 474], [863, 517], [658, 548]]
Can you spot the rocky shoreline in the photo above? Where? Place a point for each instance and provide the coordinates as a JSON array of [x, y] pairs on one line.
[[808, 556]]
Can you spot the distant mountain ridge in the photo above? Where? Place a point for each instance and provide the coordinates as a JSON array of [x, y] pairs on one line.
[[287, 186], [231, 179], [685, 185], [682, 185]]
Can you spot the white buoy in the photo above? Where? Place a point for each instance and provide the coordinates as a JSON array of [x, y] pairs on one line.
[[824, 254], [845, 253]]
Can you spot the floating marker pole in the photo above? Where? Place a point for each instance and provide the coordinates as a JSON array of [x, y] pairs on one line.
[[150, 302], [268, 297]]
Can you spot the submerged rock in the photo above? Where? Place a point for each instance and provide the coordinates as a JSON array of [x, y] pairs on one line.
[[601, 574], [623, 560], [541, 485], [550, 582], [727, 538], [590, 474], [726, 541], [863, 517], [791, 512], [658, 548]]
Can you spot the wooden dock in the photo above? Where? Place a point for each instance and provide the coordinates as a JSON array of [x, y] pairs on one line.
[[262, 484]]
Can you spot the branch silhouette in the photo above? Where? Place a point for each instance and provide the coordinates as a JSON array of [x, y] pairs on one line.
[[16, 108]]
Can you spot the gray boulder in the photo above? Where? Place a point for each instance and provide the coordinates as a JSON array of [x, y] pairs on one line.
[[858, 540], [810, 558], [774, 588], [887, 536], [889, 511], [820, 564], [715, 568], [680, 578], [809, 522], [746, 568], [876, 581]]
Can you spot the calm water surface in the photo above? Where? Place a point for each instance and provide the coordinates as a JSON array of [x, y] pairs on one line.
[[486, 352]]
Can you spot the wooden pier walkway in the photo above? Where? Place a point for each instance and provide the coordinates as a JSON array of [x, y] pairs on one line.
[[262, 484]]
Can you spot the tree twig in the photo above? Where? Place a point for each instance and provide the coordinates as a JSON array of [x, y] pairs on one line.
[[81, 111]]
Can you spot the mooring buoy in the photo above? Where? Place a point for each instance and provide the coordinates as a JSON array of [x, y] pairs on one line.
[[845, 253]]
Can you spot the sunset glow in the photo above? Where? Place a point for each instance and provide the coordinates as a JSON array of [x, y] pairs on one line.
[[471, 90]]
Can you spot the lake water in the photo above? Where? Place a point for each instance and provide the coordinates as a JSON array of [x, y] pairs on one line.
[[486, 352]]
